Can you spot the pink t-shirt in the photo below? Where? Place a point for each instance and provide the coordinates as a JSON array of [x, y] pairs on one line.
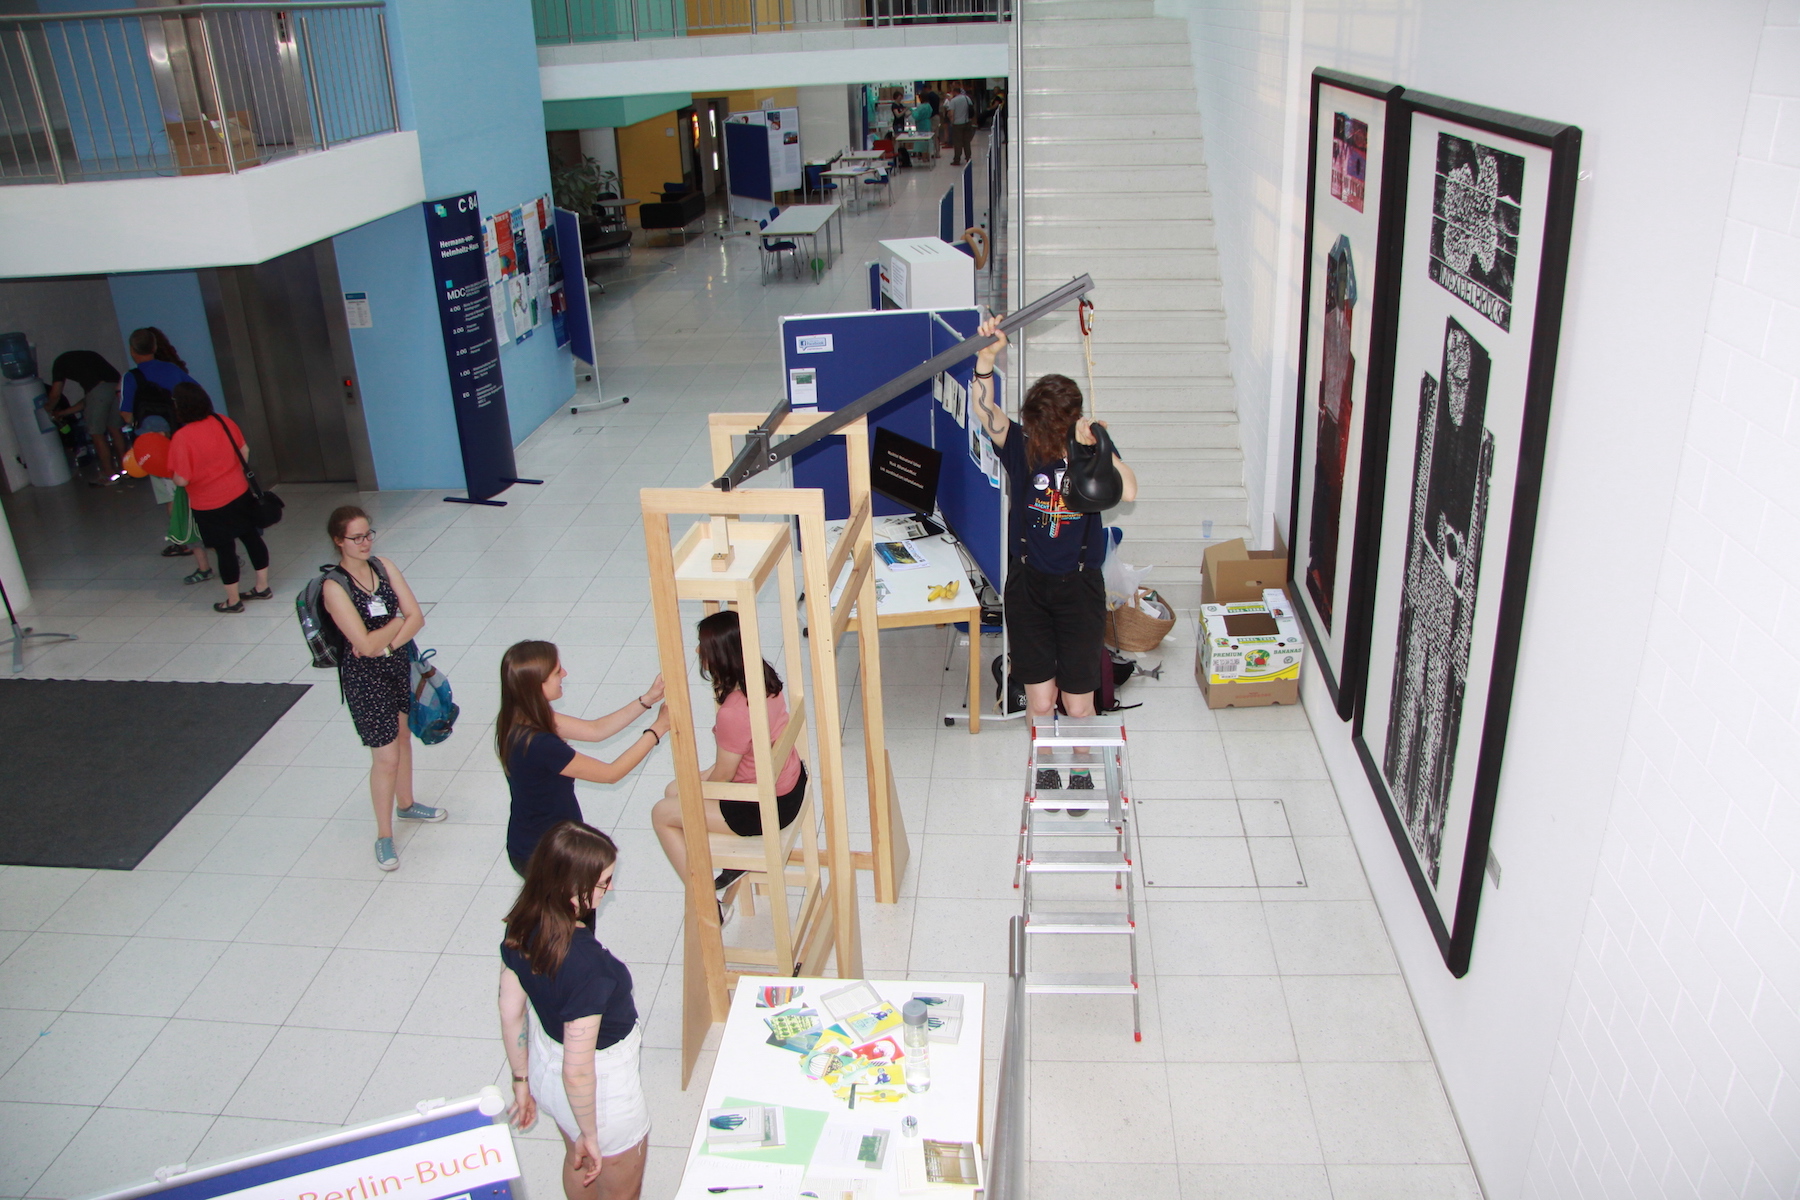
[[732, 734]]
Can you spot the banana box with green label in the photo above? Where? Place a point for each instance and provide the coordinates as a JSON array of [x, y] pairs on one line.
[[1250, 641]]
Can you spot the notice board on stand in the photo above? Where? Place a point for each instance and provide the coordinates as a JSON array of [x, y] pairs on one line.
[[832, 360], [471, 350]]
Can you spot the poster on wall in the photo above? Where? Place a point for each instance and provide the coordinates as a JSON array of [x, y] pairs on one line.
[[1488, 203], [457, 241], [1346, 295], [518, 268]]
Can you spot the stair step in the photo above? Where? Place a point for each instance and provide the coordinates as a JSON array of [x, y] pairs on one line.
[[1079, 923], [1110, 79], [1060, 984], [1125, 152], [1172, 185], [1114, 128], [1205, 429], [1061, 233], [1087, 10], [1044, 103], [1143, 31], [1159, 400], [1123, 266], [1079, 862], [1119, 369], [1160, 54], [1081, 203]]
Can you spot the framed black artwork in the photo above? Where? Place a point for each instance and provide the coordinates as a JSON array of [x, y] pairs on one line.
[[1488, 200], [1346, 290]]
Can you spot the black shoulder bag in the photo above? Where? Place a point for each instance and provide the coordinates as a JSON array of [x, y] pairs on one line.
[[1092, 483], [268, 504]]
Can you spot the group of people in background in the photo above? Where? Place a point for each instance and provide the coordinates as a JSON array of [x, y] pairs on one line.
[[950, 116], [205, 490]]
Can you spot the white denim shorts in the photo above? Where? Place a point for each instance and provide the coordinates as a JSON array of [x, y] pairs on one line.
[[621, 1118]]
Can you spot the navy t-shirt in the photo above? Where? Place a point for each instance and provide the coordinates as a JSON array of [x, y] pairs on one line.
[[164, 374], [591, 981], [1042, 530], [541, 794]]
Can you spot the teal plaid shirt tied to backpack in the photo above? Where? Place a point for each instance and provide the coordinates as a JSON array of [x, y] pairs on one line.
[[434, 710]]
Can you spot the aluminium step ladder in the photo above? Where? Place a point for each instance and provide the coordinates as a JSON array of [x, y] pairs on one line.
[[1078, 789]]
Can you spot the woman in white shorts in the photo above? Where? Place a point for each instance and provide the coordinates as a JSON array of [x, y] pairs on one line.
[[567, 1016]]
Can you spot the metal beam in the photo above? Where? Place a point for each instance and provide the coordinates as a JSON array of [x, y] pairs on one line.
[[758, 454]]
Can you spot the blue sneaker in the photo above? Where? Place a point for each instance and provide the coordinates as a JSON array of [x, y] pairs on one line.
[[385, 858], [423, 812]]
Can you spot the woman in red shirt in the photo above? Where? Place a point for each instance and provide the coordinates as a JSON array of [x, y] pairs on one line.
[[207, 457], [721, 654]]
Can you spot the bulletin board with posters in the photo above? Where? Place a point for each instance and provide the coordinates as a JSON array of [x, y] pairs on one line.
[[519, 246]]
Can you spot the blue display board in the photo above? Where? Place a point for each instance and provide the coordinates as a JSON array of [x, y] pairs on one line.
[[947, 215], [578, 322], [747, 161], [969, 194], [453, 229], [851, 354], [427, 1166]]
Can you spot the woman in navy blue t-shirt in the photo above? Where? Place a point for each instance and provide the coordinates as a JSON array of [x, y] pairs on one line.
[[541, 767], [578, 1061]]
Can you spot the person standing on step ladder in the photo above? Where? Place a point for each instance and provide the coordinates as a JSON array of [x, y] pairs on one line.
[[1055, 599]]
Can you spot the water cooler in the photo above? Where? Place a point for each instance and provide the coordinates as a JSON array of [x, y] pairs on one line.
[[37, 445]]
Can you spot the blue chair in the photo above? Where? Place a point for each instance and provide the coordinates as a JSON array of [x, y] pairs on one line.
[[775, 247]]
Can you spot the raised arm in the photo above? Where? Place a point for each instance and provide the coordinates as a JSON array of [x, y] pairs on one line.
[[981, 393], [596, 770], [598, 729]]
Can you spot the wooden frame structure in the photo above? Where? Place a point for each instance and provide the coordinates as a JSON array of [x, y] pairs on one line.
[[724, 560]]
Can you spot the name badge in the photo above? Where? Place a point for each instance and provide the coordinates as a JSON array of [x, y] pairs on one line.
[[376, 607]]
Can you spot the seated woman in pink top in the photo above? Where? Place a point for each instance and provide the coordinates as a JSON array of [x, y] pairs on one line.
[[721, 653]]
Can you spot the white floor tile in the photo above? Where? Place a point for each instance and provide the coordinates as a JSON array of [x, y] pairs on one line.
[[1354, 1018], [1237, 1113], [50, 969], [1255, 1182], [403, 915], [1404, 1183], [209, 907], [369, 990], [457, 999], [1100, 1112], [28, 897], [1383, 1113], [113, 902], [31, 1136], [80, 1059], [232, 1137], [308, 912], [149, 977], [167, 1075], [1330, 938], [254, 983], [1225, 1018], [119, 1146], [417, 1068], [309, 1075]]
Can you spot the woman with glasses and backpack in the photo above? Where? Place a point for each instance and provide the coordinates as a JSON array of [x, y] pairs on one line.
[[378, 616]]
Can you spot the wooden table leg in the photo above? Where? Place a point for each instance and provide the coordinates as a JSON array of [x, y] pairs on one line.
[[974, 670]]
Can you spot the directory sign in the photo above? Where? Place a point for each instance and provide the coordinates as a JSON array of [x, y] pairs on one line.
[[453, 230]]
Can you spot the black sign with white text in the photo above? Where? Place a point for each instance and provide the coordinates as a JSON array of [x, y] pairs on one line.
[[453, 228]]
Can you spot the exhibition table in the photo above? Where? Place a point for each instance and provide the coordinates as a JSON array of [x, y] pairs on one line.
[[806, 220], [872, 1143], [905, 593], [921, 145]]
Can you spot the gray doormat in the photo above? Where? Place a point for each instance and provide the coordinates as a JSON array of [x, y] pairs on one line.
[[96, 772]]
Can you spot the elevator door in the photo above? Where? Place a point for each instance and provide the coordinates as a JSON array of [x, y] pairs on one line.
[[287, 367]]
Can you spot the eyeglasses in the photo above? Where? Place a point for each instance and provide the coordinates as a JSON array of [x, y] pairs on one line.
[[362, 539], [605, 885]]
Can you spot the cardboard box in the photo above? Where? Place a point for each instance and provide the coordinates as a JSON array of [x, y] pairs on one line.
[[1250, 652], [1233, 572]]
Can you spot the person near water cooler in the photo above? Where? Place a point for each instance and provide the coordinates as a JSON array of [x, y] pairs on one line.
[[1055, 596], [207, 456], [147, 405], [98, 406]]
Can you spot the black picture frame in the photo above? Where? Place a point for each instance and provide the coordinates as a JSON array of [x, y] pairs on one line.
[[1482, 256], [1328, 562]]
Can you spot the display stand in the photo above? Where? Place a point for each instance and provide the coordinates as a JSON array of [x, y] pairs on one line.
[[726, 560]]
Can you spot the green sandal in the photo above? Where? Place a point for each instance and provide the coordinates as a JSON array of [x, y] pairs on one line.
[[200, 576]]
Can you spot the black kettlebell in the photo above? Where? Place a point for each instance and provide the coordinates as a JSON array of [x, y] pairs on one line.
[[1092, 483]]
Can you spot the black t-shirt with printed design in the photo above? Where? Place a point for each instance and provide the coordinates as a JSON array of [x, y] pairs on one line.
[[1042, 529]]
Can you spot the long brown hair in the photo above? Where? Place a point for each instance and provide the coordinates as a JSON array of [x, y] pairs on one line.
[[721, 653], [566, 866], [154, 342], [1051, 408], [523, 710]]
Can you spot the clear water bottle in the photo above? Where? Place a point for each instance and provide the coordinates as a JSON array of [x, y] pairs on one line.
[[918, 1047]]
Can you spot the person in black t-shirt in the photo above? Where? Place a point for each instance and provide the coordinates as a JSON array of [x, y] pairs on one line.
[[1055, 599], [541, 767], [99, 405], [578, 1059]]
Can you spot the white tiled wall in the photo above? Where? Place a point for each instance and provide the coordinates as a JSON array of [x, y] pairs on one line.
[[1677, 1069]]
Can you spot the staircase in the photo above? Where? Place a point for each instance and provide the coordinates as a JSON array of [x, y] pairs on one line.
[[1107, 131]]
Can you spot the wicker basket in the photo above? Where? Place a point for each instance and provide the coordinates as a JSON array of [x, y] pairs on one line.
[[1129, 627]]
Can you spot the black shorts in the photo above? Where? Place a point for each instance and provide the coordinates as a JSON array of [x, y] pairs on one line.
[[1054, 624], [744, 817]]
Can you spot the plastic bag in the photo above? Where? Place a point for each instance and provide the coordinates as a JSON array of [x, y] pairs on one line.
[[1122, 581]]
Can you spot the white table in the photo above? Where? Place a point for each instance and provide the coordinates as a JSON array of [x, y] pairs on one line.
[[806, 220], [847, 178], [922, 145], [749, 1070], [906, 604], [863, 155]]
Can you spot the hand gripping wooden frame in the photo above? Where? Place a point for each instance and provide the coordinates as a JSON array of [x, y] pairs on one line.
[[725, 560]]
